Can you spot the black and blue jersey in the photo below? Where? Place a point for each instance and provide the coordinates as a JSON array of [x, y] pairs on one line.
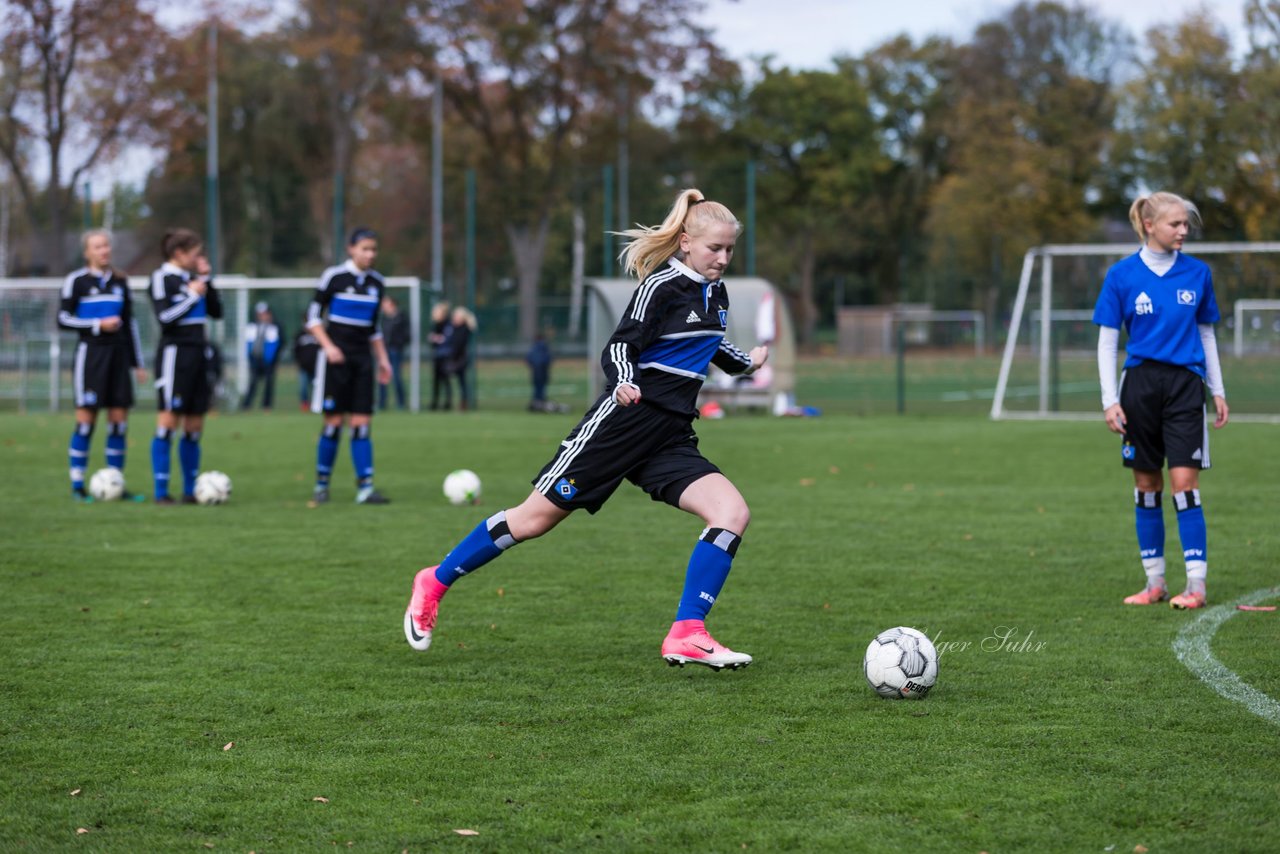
[[352, 297], [88, 298], [673, 328], [1160, 313], [182, 313]]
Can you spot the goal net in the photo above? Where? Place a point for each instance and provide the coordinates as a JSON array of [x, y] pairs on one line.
[[35, 355], [1049, 365]]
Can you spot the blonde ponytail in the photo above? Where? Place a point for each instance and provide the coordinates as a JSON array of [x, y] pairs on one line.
[[1151, 207], [651, 246]]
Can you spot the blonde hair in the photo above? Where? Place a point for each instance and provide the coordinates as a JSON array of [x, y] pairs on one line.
[[464, 314], [691, 214], [92, 233], [1151, 207]]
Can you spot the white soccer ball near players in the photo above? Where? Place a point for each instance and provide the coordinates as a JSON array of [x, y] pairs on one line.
[[107, 484], [212, 487], [901, 663], [462, 487]]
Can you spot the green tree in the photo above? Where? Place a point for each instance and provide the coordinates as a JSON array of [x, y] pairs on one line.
[[1029, 129], [526, 77], [1183, 129], [814, 139]]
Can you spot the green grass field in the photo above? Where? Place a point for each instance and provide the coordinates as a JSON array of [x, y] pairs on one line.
[[189, 678]]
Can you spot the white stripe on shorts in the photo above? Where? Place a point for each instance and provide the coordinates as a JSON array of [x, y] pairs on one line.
[[317, 384], [77, 373], [570, 450]]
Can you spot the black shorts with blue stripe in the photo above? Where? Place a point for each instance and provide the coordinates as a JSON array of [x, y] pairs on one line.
[[655, 449]]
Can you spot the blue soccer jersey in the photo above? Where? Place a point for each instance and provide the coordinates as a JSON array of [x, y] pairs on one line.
[[1160, 313]]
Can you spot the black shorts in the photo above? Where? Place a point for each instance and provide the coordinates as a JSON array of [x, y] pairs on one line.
[[100, 376], [654, 449], [1164, 410], [343, 388], [182, 378]]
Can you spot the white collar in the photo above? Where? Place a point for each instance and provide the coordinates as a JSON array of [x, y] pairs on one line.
[[354, 270], [687, 270], [170, 267]]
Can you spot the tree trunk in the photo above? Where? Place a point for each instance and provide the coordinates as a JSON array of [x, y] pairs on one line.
[[528, 245], [807, 305]]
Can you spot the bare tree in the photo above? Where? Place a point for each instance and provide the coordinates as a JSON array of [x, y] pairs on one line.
[[75, 85]]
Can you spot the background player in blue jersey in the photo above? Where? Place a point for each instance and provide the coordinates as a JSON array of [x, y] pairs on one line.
[[96, 304], [351, 295], [641, 428], [1165, 301], [184, 298]]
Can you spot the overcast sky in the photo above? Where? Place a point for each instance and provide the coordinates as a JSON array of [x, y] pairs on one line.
[[807, 33]]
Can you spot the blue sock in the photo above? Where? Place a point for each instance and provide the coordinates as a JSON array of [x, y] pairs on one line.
[[708, 568], [488, 540], [327, 452], [189, 459], [78, 453], [362, 454], [116, 444], [1191, 527], [160, 461], [1149, 519]]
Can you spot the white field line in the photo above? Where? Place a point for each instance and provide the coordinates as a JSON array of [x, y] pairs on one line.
[[1192, 648]]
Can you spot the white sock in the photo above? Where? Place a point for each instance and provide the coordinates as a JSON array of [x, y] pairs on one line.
[[1154, 567], [1197, 570]]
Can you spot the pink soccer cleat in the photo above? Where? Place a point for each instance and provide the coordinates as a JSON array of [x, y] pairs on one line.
[[693, 645], [1187, 601], [420, 616], [1149, 596]]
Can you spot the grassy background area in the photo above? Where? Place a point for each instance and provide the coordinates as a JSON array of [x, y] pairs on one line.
[[140, 641], [933, 383]]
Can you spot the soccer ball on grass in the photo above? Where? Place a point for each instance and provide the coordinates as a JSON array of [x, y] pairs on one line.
[[462, 487], [901, 663], [107, 484], [212, 487]]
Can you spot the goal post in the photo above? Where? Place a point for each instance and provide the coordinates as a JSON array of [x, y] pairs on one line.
[[34, 364], [1048, 368]]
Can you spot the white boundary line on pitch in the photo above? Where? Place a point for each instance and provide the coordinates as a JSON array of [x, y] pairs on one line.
[[1192, 648]]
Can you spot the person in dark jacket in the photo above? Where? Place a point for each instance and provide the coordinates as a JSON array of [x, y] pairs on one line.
[[396, 332]]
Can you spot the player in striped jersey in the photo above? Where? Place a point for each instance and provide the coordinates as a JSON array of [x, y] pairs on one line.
[[351, 294], [96, 304], [1165, 300], [184, 298], [641, 429]]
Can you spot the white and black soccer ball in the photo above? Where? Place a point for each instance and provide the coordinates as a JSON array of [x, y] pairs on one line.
[[107, 484], [462, 487], [213, 487], [901, 663]]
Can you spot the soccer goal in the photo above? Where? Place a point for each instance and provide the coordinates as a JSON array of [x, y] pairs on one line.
[[1049, 364], [35, 355]]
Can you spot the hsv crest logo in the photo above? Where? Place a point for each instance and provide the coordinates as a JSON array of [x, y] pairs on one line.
[[1127, 451], [1186, 297], [565, 488], [90, 398], [1142, 305]]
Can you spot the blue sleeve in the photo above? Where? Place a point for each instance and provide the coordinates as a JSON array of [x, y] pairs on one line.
[[1107, 312], [1208, 310]]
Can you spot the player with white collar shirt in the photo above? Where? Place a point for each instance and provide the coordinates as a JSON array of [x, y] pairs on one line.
[[640, 429], [1164, 299]]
